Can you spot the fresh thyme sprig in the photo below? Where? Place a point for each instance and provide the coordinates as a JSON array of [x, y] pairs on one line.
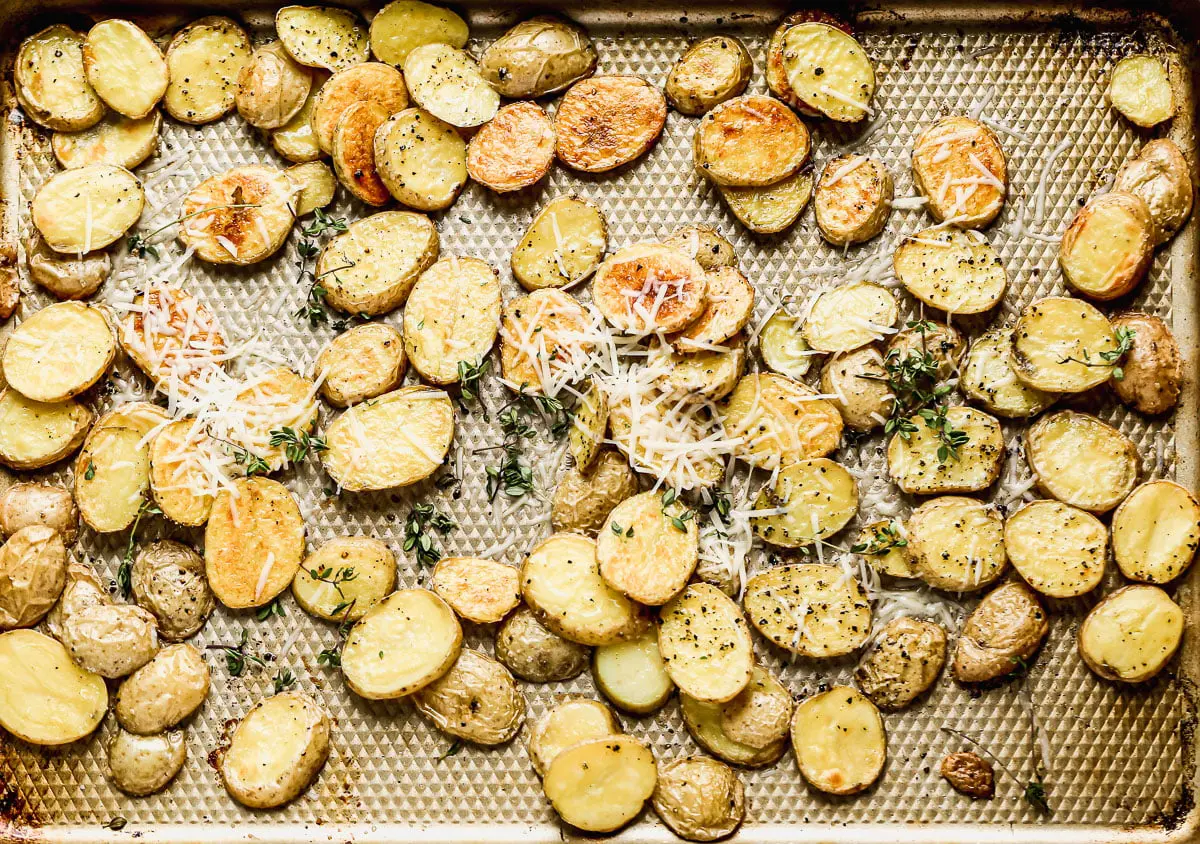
[[1034, 789], [284, 679], [1125, 337], [335, 578], [512, 476], [140, 246], [237, 657], [267, 610], [679, 520], [884, 538], [125, 569], [314, 309], [297, 444], [470, 375], [952, 438], [250, 462], [420, 518]]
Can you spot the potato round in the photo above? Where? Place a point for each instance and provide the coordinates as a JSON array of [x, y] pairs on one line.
[[87, 208], [545, 327], [367, 82], [761, 713], [782, 419], [783, 348], [884, 545], [1005, 629], [124, 67], [274, 398], [112, 477], [649, 287], [989, 378], [59, 352], [730, 306], [65, 276], [1160, 175], [711, 249], [1059, 550], [344, 578], [711, 373], [172, 337], [1106, 250], [828, 71], [478, 589], [814, 610], [204, 60], [50, 82], [709, 73], [33, 572], [776, 72], [857, 380], [394, 440], [921, 464], [272, 88], [296, 140], [452, 317], [447, 83], [354, 152], [223, 234], [839, 741], [1140, 89], [362, 363], [633, 674], [538, 56], [608, 121], [642, 550], [705, 643], [322, 36], [1155, 532], [1152, 370], [1059, 345], [180, 481], [699, 799], [601, 785], [35, 434], [583, 499], [164, 691], [253, 542], [117, 140], [818, 498], [750, 141], [317, 184], [46, 698], [29, 504], [848, 317], [589, 424], [533, 653], [905, 662], [1132, 634], [477, 700], [276, 750], [110, 639], [1081, 461], [420, 639], [569, 722], [952, 270], [562, 246], [772, 209], [141, 765], [168, 580], [514, 150], [959, 165], [852, 199], [372, 266], [403, 25], [640, 434], [421, 160], [957, 543]]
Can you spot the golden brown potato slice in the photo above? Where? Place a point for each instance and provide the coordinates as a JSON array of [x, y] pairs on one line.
[[317, 184], [50, 82], [421, 159], [253, 542], [536, 57], [839, 741], [371, 267], [649, 287], [810, 500], [1132, 634], [772, 209], [1063, 345], [1160, 175], [364, 362], [47, 699], [477, 700], [957, 543], [87, 208], [608, 121], [705, 642], [322, 36], [989, 378], [647, 547], [699, 799], [852, 199], [828, 71], [541, 337], [173, 338], [59, 352], [420, 639], [954, 271], [922, 462], [272, 88], [632, 674], [403, 25], [354, 152], [276, 750], [850, 316], [709, 73], [447, 83], [663, 438], [858, 382], [344, 578], [1140, 89], [240, 216], [1081, 461], [814, 610], [908, 656], [780, 420], [750, 141], [601, 785], [124, 67], [959, 165], [514, 150], [776, 71], [571, 721], [1059, 550], [181, 483], [1107, 248], [367, 82], [1155, 532], [479, 590], [34, 434], [730, 305], [117, 140], [562, 246], [452, 317], [204, 60]]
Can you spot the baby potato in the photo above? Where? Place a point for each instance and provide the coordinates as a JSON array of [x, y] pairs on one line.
[[811, 609], [857, 379], [240, 216], [776, 72], [35, 434], [959, 165], [783, 348], [589, 424], [884, 545], [344, 578], [1059, 550], [479, 590], [50, 82], [446, 82], [538, 330], [583, 499], [784, 420], [849, 317], [366, 82], [649, 287], [1132, 634], [1155, 532], [989, 378], [87, 208], [168, 580], [646, 550], [772, 209], [276, 751], [421, 159], [924, 464], [46, 699], [708, 246], [608, 121], [539, 56], [711, 373], [83, 589], [570, 721], [633, 674], [403, 25], [111, 640], [562, 246], [817, 499], [699, 799], [1160, 175], [839, 741], [533, 653], [33, 572], [477, 700], [1064, 345], [253, 542], [362, 363], [354, 154], [827, 70], [905, 662], [957, 543], [1107, 248], [124, 67], [164, 691], [1140, 89], [317, 184], [710, 72], [513, 150], [172, 337], [729, 308], [27, 504], [271, 87], [1152, 369], [1005, 629], [59, 351], [322, 36], [705, 643], [761, 714], [296, 140], [117, 140], [372, 266], [750, 141], [852, 199], [954, 271], [141, 765], [65, 276], [181, 482], [602, 784], [1081, 461], [204, 60], [452, 317], [970, 774]]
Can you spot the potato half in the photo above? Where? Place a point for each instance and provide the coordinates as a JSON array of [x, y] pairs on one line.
[[905, 662], [542, 335], [1063, 345], [1155, 532], [633, 674], [839, 741], [705, 643], [276, 751], [957, 543], [477, 700], [562, 246], [608, 121], [709, 73], [810, 500], [850, 316], [296, 140], [776, 72], [584, 498], [750, 141], [141, 765], [204, 60], [87, 208], [164, 691], [47, 699], [858, 380], [66, 276], [650, 287], [814, 610], [253, 542], [173, 338], [125, 67], [452, 317], [33, 572], [1081, 461], [589, 424], [536, 57], [317, 184], [50, 82], [168, 580], [403, 25], [421, 159], [780, 420], [112, 477], [240, 216], [534, 653], [1060, 550], [989, 378], [569, 722], [647, 548], [117, 140], [34, 434], [344, 578], [322, 36], [711, 373], [828, 71], [699, 799], [1107, 248], [730, 305], [772, 209], [760, 715], [27, 504], [711, 249], [447, 83], [354, 152], [367, 82], [371, 267], [362, 363], [922, 463], [59, 352], [1151, 372], [852, 199], [1160, 175], [419, 637], [514, 150], [272, 89], [601, 785], [1132, 634], [480, 590], [954, 271], [1140, 89], [959, 165], [783, 348]]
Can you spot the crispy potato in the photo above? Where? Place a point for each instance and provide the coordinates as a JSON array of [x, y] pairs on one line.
[[761, 714], [112, 477], [87, 208], [709, 73], [705, 643], [1151, 373], [24, 505], [884, 545], [1060, 344], [589, 424], [372, 266], [633, 674], [1160, 175], [921, 463], [514, 150], [750, 141], [650, 287], [66, 276], [1081, 461], [477, 700], [111, 640], [479, 590], [569, 722], [970, 774], [33, 572], [1059, 550], [814, 610], [852, 199], [699, 799], [957, 543], [172, 337], [253, 542], [367, 82], [322, 36], [1155, 532], [772, 209], [782, 420], [583, 499], [59, 352], [116, 140], [646, 550], [276, 750], [240, 216], [296, 140], [50, 83], [711, 373], [776, 72], [857, 380], [839, 741], [952, 270], [562, 246], [1132, 634], [546, 327], [272, 88], [317, 184], [35, 434], [989, 378], [124, 67], [273, 399], [782, 346], [204, 60], [403, 25], [828, 71], [708, 246], [344, 578], [539, 56], [452, 317], [810, 500], [1107, 248], [181, 483], [657, 436], [608, 121], [959, 165], [422, 160], [419, 637], [601, 785], [141, 765], [168, 580], [361, 363], [394, 440], [729, 308], [848, 317], [354, 152], [533, 653], [164, 691], [46, 698], [1005, 629], [1140, 89], [905, 662], [446, 82]]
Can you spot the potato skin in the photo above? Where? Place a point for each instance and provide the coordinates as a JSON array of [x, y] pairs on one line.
[[25, 504], [1007, 627], [539, 56], [709, 73], [534, 653], [699, 799], [33, 572], [1153, 367], [905, 662], [168, 579], [271, 87], [164, 691], [111, 640], [66, 276], [1160, 175], [140, 765], [583, 500], [476, 700]]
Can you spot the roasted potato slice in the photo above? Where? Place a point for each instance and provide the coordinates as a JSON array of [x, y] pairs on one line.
[[367, 82], [1132, 634], [33, 572], [317, 184], [857, 379], [750, 141], [705, 643], [1081, 461], [1063, 345], [141, 765], [296, 140], [112, 477], [760, 714], [828, 71], [1140, 89], [1160, 175], [562, 246], [168, 579], [1155, 532], [707, 245], [479, 590], [970, 774], [477, 700], [729, 307], [1059, 550], [344, 578], [664, 439], [650, 287], [124, 67], [372, 266], [839, 741], [849, 317], [240, 216], [322, 36], [647, 547], [954, 271], [699, 799], [181, 483], [943, 343], [272, 88], [570, 721], [1151, 373], [809, 501], [204, 60], [772, 209], [403, 25], [711, 373], [110, 639], [452, 317], [884, 545], [532, 652], [1107, 248], [253, 542], [446, 82], [514, 150], [584, 498], [608, 121], [420, 638], [709, 73], [276, 751], [541, 335], [172, 337], [957, 543], [814, 610], [362, 363], [852, 199], [1005, 629], [273, 399], [58, 352], [989, 378], [633, 674], [782, 421], [904, 663], [116, 140], [164, 691], [959, 165], [538, 56], [66, 276], [421, 159], [783, 348], [87, 208], [354, 152], [50, 82], [589, 424], [28, 504], [34, 434], [776, 72], [47, 699], [601, 785], [921, 462]]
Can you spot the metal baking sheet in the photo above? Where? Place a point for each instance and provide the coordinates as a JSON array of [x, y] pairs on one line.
[[1122, 759]]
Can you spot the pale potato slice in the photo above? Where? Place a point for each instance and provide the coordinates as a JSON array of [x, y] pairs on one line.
[[367, 82], [180, 481], [87, 208], [711, 373], [371, 267], [709, 72], [204, 60], [124, 67], [852, 199], [562, 246], [781, 421], [173, 338], [730, 305], [828, 71], [705, 643], [354, 153], [514, 150], [323, 36], [272, 89], [1140, 89], [253, 542], [750, 141], [776, 72], [538, 56], [858, 381], [884, 545], [810, 500], [706, 722], [296, 140], [650, 287], [814, 610], [479, 590], [59, 352], [760, 716], [959, 165], [921, 462], [345, 578], [957, 543], [317, 184], [571, 721], [240, 216], [648, 546], [589, 424], [420, 639], [276, 750], [989, 378], [50, 82], [1059, 550], [782, 346], [403, 25], [1132, 634], [117, 140], [661, 437], [1081, 461], [561, 582], [421, 159], [850, 316], [541, 336], [1063, 345], [75, 276], [1107, 248], [1161, 176], [608, 121], [362, 363], [477, 700], [711, 249], [839, 741], [390, 441], [34, 434], [446, 82], [633, 674], [1155, 532], [772, 209], [601, 785], [452, 317], [112, 478], [46, 698], [954, 271]]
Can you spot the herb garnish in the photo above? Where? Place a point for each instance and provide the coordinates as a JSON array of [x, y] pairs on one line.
[[1125, 337], [469, 377], [125, 569], [314, 309], [139, 244], [284, 679], [331, 657], [236, 656], [420, 517], [452, 750], [679, 520], [116, 824], [884, 539], [1034, 790], [267, 610], [297, 444]]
